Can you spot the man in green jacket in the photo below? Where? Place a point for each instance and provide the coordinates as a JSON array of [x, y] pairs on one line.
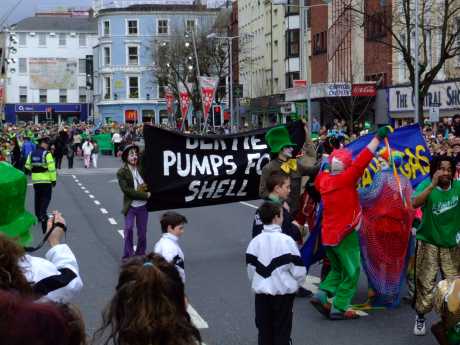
[[438, 235], [135, 196]]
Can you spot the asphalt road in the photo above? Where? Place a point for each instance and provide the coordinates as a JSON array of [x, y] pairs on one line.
[[214, 244]]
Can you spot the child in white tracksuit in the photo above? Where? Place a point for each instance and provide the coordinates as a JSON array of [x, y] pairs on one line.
[[276, 271]]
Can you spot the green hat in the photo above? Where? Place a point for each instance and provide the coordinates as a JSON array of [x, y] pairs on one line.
[[15, 221], [278, 138]]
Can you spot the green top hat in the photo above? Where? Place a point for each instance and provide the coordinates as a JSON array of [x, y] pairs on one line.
[[15, 221], [278, 138]]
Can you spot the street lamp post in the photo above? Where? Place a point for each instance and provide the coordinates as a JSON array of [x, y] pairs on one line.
[[417, 67]]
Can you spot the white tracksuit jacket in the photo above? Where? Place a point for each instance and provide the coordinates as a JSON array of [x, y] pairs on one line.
[[168, 247], [274, 264]]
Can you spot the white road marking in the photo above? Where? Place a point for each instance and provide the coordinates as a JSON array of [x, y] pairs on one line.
[[248, 204], [91, 196], [104, 211], [97, 202], [197, 320], [311, 283], [74, 176], [77, 180], [80, 185], [112, 221], [87, 191], [113, 181]]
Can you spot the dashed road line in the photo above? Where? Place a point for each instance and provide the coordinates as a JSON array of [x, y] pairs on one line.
[[112, 221], [104, 211], [97, 202], [91, 196]]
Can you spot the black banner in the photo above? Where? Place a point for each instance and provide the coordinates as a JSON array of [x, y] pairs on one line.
[[189, 170]]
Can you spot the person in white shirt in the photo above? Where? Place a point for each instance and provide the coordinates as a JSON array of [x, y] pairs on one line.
[[87, 149], [116, 140], [172, 227], [54, 278], [275, 270]]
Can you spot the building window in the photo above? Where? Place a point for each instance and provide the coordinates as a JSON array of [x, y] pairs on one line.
[[292, 43], [107, 88], [190, 25], [132, 27], [106, 26], [42, 39], [22, 65], [163, 27], [133, 55], [319, 43], [82, 40], [82, 94], [22, 39], [294, 9], [107, 57], [290, 77], [133, 87], [23, 94], [62, 40], [375, 26], [62, 96], [43, 96], [82, 66]]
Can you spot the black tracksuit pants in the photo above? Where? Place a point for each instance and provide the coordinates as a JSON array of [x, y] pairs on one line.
[[43, 193], [274, 318]]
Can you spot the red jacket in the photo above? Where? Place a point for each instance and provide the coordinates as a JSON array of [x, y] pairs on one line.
[[342, 210]]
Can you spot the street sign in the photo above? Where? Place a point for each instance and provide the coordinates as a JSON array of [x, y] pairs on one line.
[[434, 113], [299, 83], [238, 91]]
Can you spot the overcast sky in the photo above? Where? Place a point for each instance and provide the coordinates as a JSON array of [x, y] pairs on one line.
[[29, 7]]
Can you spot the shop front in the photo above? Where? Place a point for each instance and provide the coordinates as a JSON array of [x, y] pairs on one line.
[[46, 112], [442, 97], [131, 113]]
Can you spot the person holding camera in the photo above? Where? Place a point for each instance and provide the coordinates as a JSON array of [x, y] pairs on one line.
[[54, 278], [135, 196]]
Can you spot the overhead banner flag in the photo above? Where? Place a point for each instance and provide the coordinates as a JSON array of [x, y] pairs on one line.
[[208, 87], [409, 142], [193, 170], [169, 96], [184, 100]]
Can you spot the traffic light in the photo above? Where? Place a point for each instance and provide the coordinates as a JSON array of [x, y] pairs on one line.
[[216, 115], [89, 72]]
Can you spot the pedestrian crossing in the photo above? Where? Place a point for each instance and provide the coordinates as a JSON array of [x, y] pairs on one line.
[[91, 171]]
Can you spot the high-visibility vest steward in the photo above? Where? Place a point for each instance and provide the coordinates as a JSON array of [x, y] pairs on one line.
[[41, 163]]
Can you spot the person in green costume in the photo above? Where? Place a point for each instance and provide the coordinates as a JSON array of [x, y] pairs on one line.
[[438, 235]]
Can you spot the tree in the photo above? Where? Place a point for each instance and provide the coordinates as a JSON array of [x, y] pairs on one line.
[[175, 61], [393, 25]]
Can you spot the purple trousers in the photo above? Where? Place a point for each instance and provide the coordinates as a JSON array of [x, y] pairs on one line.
[[141, 216]]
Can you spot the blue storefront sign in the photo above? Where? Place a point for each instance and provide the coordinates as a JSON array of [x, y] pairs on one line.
[[42, 108]]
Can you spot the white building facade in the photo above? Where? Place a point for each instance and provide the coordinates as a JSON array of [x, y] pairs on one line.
[[48, 56]]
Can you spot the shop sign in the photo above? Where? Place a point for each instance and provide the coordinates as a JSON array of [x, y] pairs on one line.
[[446, 96], [364, 90], [338, 90], [131, 115]]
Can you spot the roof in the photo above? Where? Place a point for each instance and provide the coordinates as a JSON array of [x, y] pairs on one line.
[[160, 8], [57, 23]]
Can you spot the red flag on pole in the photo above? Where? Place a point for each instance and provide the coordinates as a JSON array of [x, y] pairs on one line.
[[208, 87], [169, 100], [184, 100]]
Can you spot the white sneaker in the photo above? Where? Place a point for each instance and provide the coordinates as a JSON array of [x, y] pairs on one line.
[[419, 327]]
